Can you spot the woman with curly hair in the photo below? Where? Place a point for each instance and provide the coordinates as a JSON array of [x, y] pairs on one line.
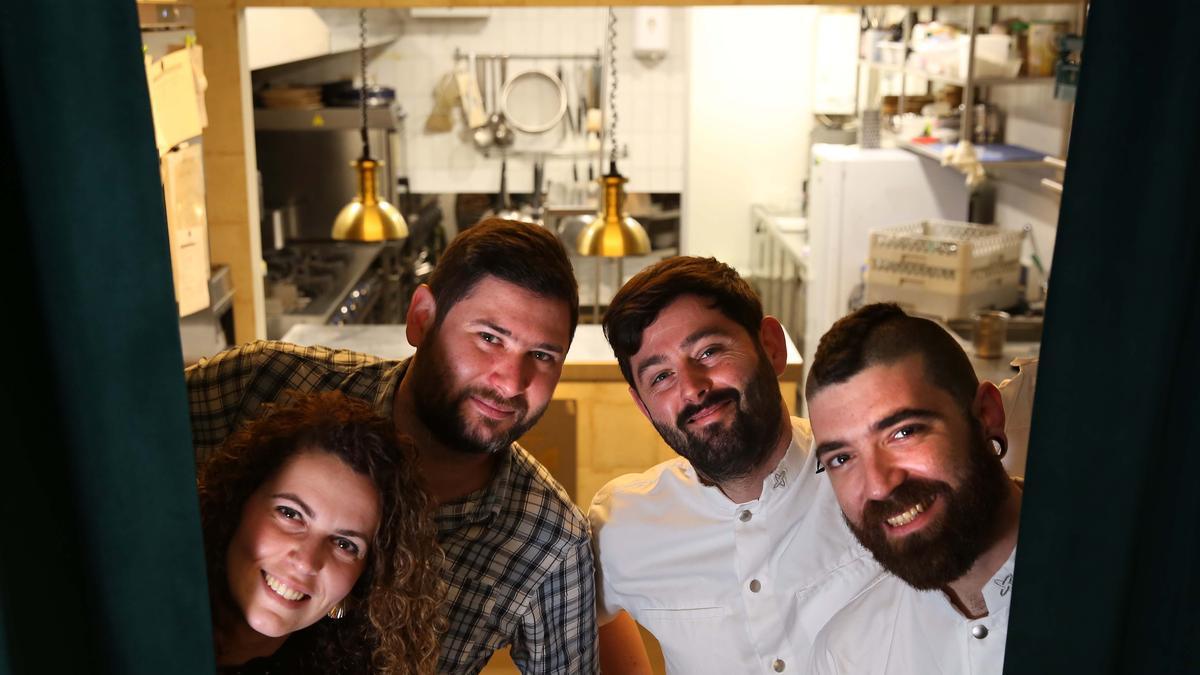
[[320, 546]]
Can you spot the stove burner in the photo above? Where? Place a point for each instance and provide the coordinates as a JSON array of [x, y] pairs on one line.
[[296, 275], [315, 282]]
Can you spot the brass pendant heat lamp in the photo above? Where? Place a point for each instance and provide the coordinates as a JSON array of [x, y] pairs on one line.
[[367, 217], [613, 233]]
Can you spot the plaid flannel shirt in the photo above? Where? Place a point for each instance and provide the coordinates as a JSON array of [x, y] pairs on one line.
[[518, 556]]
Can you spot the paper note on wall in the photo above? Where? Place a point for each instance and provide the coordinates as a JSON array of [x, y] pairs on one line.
[[187, 227], [176, 99], [201, 81]]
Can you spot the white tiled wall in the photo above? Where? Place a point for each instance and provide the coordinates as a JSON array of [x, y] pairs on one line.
[[651, 97]]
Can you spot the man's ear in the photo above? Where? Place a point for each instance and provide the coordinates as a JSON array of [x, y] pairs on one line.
[[637, 400], [774, 343], [988, 408], [422, 312]]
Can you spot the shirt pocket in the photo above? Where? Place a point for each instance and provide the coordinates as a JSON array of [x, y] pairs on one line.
[[816, 603], [686, 634]]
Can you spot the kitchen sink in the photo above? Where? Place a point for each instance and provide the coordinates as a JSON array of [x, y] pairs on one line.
[[1020, 328]]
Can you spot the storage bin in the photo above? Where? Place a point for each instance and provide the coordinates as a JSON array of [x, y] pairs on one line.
[[993, 56], [891, 53], [944, 268]]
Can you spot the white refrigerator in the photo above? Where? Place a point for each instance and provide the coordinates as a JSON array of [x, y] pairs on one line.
[[852, 191]]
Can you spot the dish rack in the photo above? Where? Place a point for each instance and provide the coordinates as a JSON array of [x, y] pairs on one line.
[[944, 268]]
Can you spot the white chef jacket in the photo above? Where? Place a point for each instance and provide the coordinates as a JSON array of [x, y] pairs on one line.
[[894, 629], [727, 588]]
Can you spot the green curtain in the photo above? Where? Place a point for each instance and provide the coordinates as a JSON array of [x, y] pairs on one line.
[[101, 569], [1108, 564], [101, 564]]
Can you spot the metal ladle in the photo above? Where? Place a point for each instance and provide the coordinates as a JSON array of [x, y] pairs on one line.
[[502, 133], [484, 135]]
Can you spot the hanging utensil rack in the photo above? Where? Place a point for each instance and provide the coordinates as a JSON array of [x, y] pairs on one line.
[[596, 56], [460, 55]]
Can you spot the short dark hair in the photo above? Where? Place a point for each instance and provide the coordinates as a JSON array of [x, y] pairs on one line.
[[882, 333], [522, 254], [640, 300]]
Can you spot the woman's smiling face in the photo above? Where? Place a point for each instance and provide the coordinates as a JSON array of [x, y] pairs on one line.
[[302, 542]]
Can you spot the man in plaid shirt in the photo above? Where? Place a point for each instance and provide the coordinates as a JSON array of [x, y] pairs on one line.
[[491, 330]]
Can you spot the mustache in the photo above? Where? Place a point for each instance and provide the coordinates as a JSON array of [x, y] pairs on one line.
[[518, 404], [713, 398], [911, 491]]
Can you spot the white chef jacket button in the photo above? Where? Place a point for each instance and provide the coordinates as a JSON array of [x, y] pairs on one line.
[[755, 587], [745, 516], [979, 631], [778, 665]]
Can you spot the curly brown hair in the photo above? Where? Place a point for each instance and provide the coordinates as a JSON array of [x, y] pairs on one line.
[[393, 620]]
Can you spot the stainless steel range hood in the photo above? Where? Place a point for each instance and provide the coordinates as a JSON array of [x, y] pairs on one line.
[[304, 157]]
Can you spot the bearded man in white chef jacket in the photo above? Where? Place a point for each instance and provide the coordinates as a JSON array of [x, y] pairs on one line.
[[912, 442], [733, 555]]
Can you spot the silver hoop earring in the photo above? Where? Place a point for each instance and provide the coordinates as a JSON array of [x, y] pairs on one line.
[[1000, 445]]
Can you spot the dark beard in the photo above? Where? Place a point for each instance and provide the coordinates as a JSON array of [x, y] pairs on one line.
[[725, 454], [441, 409], [945, 550]]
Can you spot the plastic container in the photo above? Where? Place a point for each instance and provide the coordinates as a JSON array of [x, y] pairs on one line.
[[869, 46], [1043, 47], [936, 56], [994, 56], [944, 268], [991, 330], [891, 53]]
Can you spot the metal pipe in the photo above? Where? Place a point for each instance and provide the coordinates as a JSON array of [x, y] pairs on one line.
[[904, 40], [968, 116], [596, 301]]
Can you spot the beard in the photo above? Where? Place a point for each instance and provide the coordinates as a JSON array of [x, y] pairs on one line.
[[720, 454], [443, 409], [944, 550]]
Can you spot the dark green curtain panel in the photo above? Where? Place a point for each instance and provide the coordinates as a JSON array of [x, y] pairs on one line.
[[101, 565], [1108, 564]]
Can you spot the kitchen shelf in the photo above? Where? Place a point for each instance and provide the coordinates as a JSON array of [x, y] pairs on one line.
[[996, 156], [991, 155], [1056, 162], [946, 79]]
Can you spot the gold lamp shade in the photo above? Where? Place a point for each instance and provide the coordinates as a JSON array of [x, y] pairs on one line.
[[612, 232], [367, 217]]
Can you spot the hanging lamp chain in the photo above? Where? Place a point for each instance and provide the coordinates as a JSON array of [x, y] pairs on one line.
[[362, 92], [612, 87]]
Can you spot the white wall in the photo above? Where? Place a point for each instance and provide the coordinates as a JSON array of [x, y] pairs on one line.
[[650, 96], [749, 118]]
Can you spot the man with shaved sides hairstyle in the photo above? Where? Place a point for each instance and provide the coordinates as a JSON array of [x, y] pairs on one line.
[[912, 443]]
